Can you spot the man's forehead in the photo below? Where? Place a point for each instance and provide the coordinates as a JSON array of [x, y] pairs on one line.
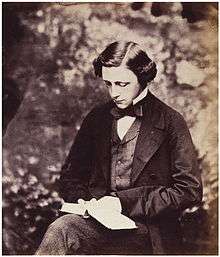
[[117, 74]]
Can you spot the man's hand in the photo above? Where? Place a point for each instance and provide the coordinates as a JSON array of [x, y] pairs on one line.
[[110, 203], [82, 203]]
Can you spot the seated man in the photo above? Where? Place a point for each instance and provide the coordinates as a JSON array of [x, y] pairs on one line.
[[134, 150]]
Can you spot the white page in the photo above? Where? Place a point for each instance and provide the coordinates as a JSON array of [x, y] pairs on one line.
[[112, 220], [73, 208], [109, 218]]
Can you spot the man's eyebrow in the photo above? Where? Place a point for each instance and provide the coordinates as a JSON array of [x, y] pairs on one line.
[[117, 82]]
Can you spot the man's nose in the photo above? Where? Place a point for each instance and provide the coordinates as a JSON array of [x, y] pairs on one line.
[[115, 92]]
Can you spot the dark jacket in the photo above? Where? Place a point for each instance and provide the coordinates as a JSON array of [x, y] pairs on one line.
[[165, 175]]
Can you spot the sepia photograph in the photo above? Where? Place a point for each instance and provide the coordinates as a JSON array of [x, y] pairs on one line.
[[109, 128]]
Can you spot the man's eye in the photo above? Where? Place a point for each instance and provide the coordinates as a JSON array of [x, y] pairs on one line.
[[107, 83], [122, 84]]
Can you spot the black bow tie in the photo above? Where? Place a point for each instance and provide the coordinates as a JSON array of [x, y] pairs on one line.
[[133, 111]]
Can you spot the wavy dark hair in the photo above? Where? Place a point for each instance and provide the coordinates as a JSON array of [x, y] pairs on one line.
[[130, 55]]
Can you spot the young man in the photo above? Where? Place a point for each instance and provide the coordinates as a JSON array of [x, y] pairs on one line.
[[135, 151]]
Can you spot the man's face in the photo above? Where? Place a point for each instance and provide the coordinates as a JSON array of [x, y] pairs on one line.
[[122, 85]]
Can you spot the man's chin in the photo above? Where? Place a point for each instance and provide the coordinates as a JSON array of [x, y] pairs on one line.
[[122, 105]]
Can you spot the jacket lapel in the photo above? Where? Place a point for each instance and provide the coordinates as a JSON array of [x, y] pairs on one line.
[[150, 137], [104, 144]]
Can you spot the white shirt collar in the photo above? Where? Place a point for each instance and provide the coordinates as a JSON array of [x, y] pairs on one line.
[[140, 96]]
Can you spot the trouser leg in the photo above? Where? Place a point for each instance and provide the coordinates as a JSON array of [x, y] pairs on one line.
[[71, 234]]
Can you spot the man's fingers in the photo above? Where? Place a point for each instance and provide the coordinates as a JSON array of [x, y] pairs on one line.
[[81, 201], [93, 200]]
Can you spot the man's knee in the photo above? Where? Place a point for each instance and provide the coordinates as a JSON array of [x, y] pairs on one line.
[[64, 223], [61, 235], [78, 235]]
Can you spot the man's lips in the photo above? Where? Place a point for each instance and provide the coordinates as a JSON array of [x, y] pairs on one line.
[[118, 101]]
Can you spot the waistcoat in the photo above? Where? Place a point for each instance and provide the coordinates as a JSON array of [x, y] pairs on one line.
[[122, 152]]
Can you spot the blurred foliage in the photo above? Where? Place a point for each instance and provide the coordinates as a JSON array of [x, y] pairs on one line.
[[28, 208], [48, 49]]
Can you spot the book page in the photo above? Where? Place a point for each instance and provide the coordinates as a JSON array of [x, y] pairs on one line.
[[73, 208], [112, 219]]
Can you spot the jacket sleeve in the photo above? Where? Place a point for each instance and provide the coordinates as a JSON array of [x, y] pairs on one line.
[[184, 191], [73, 182]]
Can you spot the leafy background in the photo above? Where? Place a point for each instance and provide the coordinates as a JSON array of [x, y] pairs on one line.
[[49, 87]]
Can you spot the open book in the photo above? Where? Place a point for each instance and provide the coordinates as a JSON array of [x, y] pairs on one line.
[[108, 216]]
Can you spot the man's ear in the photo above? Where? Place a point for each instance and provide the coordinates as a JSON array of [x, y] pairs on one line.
[[97, 67]]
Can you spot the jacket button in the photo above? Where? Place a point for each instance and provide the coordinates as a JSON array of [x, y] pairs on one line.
[[153, 176]]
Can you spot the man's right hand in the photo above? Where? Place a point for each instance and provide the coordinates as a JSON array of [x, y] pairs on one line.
[[83, 204], [86, 205]]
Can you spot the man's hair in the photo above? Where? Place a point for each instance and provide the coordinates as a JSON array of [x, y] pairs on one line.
[[130, 55]]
